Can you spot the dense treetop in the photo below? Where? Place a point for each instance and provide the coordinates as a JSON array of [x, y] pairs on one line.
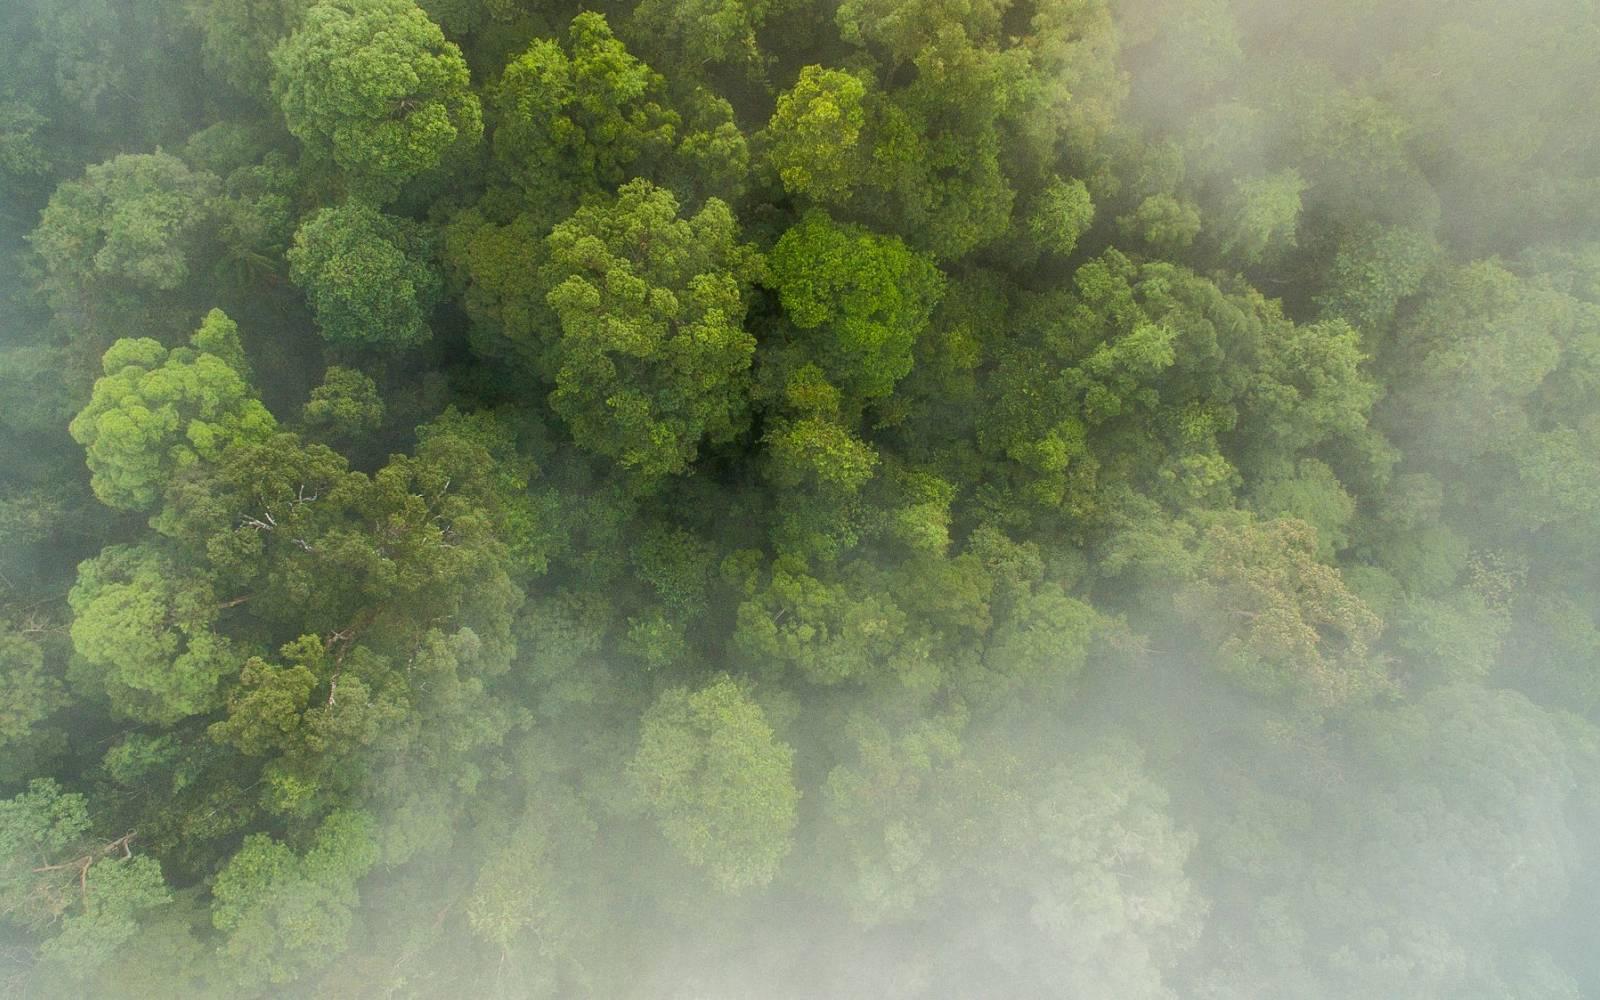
[[889, 498]]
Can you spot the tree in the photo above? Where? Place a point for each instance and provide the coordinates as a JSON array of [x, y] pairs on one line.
[[345, 405], [866, 295], [936, 176], [584, 118], [1479, 344], [813, 139], [29, 692], [880, 815], [706, 31], [1283, 623], [317, 745], [1112, 909], [157, 411], [901, 32], [1061, 215], [374, 86], [1261, 217], [237, 38], [651, 356], [125, 889], [818, 450], [1092, 498], [256, 518], [21, 155], [1165, 224], [144, 631], [718, 782], [285, 913], [1308, 491], [133, 226], [52, 872], [830, 629], [1373, 272], [35, 826], [525, 896], [1312, 387], [368, 276], [1045, 634]]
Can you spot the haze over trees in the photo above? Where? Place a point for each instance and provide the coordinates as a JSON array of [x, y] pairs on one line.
[[760, 498]]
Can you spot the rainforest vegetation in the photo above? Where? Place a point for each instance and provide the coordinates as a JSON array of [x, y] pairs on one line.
[[728, 499]]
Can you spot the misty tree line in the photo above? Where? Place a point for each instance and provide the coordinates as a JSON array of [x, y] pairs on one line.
[[756, 498]]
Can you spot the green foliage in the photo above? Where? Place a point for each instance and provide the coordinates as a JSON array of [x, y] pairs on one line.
[[124, 888], [1114, 902], [156, 412], [706, 31], [521, 890], [374, 86], [281, 910], [902, 33], [829, 631], [1262, 216], [98, 898], [134, 225], [35, 826], [894, 498], [237, 38], [1062, 214], [1047, 634], [579, 117], [880, 819], [346, 403], [718, 782], [1373, 273], [21, 155], [145, 632], [29, 692], [1308, 492], [1162, 223], [650, 357], [367, 276], [866, 296], [1479, 344], [814, 134], [817, 449], [1282, 622]]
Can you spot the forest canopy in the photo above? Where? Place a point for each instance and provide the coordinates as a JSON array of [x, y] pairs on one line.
[[763, 498]]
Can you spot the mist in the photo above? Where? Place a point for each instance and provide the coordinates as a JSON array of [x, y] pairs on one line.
[[732, 499]]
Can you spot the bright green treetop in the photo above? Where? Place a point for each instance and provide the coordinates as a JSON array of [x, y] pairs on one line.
[[156, 411], [574, 118], [373, 85], [651, 356], [866, 296], [144, 630], [814, 135]]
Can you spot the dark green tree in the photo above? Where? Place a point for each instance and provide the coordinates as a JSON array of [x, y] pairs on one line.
[[368, 276]]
